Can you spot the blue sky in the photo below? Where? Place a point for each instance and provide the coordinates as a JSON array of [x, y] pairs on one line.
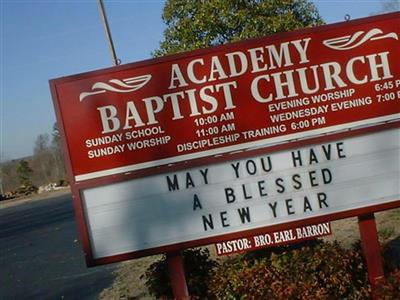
[[45, 39]]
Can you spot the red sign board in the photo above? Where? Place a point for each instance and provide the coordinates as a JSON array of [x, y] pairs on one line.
[[239, 96]]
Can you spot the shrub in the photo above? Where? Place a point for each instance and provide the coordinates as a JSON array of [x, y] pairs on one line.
[[316, 270], [25, 190], [388, 289], [391, 255], [323, 271], [198, 267]]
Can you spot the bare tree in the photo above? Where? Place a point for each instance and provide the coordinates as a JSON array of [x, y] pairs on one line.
[[47, 159], [45, 166], [42, 161], [24, 172], [57, 153], [9, 177]]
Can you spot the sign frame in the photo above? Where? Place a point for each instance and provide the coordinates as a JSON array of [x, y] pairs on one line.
[[78, 186]]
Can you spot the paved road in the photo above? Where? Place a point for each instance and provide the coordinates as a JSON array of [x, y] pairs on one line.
[[40, 256]]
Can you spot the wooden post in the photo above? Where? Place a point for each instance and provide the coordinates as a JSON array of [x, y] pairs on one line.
[[371, 247], [177, 275]]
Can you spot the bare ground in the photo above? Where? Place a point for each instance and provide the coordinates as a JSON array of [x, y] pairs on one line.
[[128, 284]]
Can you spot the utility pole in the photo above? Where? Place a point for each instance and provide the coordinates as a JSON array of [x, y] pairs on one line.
[[103, 16]]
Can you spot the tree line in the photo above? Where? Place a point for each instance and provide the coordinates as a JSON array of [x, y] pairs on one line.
[[45, 166]]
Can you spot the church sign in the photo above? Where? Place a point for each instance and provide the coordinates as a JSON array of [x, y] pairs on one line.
[[234, 141]]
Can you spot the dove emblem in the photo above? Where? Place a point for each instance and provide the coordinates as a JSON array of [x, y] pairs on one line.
[[357, 39], [118, 86]]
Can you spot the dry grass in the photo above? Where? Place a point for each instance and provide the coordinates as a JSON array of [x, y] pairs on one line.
[[127, 284]]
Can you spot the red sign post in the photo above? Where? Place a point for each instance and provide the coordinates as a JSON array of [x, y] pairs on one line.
[[236, 140], [371, 247]]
